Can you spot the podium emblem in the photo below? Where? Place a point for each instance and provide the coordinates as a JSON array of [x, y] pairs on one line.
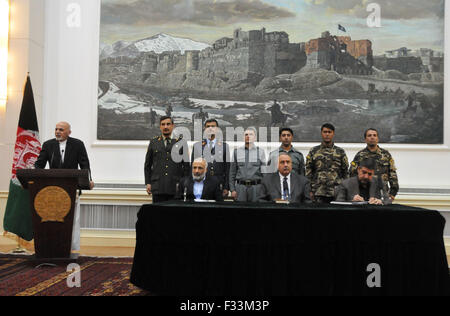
[[52, 204]]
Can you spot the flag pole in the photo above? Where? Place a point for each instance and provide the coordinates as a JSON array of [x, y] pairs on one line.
[[19, 249]]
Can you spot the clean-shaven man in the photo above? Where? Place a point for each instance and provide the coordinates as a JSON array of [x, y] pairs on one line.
[[285, 184], [65, 152]]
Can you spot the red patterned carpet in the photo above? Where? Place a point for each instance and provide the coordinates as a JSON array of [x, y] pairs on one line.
[[19, 276]]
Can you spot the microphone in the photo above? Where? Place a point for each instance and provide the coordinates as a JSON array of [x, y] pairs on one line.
[[185, 190]]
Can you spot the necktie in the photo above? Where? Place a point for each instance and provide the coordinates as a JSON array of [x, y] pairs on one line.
[[285, 188], [168, 141]]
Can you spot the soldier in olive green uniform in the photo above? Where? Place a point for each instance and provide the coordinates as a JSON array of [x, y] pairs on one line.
[[162, 173], [326, 167], [385, 165]]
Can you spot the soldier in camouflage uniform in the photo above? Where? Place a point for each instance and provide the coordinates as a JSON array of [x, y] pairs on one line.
[[326, 167], [385, 165]]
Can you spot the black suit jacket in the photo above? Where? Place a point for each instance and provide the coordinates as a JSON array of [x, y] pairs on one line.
[[218, 160], [211, 189], [75, 155], [271, 188]]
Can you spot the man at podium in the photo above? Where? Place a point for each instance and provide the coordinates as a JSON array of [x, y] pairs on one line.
[[64, 152]]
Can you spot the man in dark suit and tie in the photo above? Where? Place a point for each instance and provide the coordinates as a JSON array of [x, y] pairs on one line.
[[200, 185], [64, 152], [285, 184], [216, 153]]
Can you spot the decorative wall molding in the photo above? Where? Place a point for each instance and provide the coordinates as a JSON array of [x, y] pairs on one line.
[[133, 196]]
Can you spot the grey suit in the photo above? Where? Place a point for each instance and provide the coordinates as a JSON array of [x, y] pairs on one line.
[[350, 187], [247, 166], [271, 188]]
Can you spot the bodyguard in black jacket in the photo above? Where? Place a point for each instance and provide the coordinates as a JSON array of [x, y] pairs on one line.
[[216, 153]]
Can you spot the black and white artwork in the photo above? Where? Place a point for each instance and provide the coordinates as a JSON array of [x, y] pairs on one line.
[[267, 63]]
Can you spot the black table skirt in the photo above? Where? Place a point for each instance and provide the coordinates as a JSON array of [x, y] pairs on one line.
[[271, 250]]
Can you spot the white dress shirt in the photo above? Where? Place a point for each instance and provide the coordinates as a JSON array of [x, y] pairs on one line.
[[62, 149], [208, 142]]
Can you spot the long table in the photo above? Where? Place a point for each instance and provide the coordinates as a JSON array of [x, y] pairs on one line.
[[272, 250]]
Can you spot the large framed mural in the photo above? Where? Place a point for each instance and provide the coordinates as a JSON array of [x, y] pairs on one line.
[[266, 63]]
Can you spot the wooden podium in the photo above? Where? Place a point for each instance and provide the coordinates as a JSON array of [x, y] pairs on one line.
[[53, 194]]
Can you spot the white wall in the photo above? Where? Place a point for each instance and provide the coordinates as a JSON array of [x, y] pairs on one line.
[[70, 93], [26, 54]]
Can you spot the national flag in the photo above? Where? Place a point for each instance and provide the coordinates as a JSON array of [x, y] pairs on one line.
[[341, 28], [18, 218]]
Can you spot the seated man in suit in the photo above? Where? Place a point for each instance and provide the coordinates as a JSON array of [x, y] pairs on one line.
[[285, 184], [365, 187], [200, 186]]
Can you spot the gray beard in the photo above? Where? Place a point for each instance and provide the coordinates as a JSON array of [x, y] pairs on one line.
[[199, 178]]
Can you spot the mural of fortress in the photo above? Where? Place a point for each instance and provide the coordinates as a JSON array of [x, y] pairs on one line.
[[341, 54], [254, 55], [251, 56]]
